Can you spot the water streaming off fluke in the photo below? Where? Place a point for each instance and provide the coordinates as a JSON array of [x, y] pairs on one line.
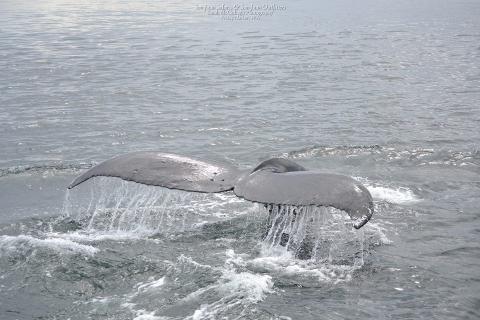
[[319, 233], [115, 205]]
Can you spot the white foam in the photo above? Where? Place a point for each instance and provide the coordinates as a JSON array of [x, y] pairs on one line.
[[185, 260], [378, 231], [235, 289], [400, 195], [96, 236], [145, 315], [151, 285], [252, 287], [397, 195], [285, 265], [102, 300], [14, 243], [201, 313]]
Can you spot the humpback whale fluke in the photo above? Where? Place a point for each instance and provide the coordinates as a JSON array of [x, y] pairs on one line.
[[166, 170], [274, 181]]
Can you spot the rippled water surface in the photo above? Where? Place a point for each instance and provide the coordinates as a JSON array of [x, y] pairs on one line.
[[385, 91]]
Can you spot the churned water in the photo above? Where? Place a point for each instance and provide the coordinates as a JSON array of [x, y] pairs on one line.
[[384, 91]]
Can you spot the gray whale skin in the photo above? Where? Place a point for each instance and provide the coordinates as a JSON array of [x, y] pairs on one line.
[[274, 181]]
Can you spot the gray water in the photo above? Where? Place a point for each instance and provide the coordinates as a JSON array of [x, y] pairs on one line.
[[385, 91]]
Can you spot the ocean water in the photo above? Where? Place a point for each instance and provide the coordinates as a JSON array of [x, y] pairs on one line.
[[384, 91]]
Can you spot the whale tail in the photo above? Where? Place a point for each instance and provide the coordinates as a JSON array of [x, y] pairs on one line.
[[274, 181]]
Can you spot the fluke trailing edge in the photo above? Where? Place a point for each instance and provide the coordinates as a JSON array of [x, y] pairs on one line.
[[274, 181]]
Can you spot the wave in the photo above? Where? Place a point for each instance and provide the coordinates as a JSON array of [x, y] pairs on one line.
[[319, 150], [415, 156], [23, 244], [235, 286], [151, 285], [44, 168], [233, 291]]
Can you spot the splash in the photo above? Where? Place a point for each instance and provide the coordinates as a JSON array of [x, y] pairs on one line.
[[205, 289]]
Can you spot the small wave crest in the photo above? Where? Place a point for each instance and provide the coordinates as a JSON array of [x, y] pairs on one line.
[[306, 272], [44, 168], [23, 244], [391, 194], [320, 151], [90, 236], [234, 291], [400, 195], [204, 290], [414, 156]]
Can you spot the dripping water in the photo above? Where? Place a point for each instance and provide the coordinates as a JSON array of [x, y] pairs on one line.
[[114, 205], [323, 234]]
